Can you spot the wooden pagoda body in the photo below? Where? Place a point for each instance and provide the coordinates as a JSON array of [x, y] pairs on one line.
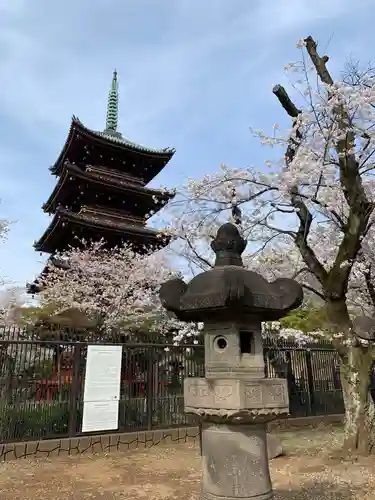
[[101, 192]]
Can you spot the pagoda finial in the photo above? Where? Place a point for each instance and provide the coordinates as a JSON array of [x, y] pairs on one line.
[[112, 107]]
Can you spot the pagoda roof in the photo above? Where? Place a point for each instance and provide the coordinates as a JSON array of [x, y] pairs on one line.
[[99, 225], [104, 176], [119, 139], [111, 139]]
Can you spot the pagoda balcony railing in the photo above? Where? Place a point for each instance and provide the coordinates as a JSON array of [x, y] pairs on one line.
[[114, 174]]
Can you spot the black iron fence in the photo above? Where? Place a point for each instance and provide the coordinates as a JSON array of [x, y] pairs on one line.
[[42, 380]]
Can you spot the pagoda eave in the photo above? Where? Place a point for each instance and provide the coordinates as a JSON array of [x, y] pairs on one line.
[[71, 172], [121, 146], [33, 288], [65, 224]]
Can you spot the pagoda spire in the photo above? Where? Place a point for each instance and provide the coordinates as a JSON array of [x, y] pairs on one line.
[[112, 108]]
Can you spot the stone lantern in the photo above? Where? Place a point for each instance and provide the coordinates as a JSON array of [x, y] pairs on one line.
[[234, 399]]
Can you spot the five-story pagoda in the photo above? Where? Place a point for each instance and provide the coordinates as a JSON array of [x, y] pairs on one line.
[[101, 191]]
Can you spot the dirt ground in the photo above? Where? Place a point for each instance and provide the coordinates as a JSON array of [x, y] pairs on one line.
[[310, 470]]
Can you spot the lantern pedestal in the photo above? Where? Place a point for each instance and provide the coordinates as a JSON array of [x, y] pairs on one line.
[[234, 443]]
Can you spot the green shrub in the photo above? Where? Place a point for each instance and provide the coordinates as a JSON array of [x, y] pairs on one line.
[[33, 421], [132, 414], [37, 420]]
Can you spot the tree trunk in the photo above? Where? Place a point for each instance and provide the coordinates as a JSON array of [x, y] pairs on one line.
[[355, 374], [359, 406]]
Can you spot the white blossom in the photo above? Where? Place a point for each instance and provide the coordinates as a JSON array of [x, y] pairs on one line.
[[118, 287], [270, 218]]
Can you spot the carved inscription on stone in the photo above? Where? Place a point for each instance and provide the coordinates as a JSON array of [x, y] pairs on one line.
[[212, 469], [223, 392], [193, 390], [237, 473], [197, 393], [203, 393], [275, 394], [253, 394], [225, 396], [235, 462]]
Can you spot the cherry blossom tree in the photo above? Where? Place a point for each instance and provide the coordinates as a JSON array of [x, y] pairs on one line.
[[4, 229], [12, 299], [307, 213], [118, 288]]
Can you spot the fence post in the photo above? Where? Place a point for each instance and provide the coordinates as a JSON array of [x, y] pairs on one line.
[[265, 353], [150, 389], [310, 381], [75, 390]]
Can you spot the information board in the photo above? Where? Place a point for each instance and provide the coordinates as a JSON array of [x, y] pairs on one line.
[[102, 388]]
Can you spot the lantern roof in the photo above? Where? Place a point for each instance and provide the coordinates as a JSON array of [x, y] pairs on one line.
[[229, 290]]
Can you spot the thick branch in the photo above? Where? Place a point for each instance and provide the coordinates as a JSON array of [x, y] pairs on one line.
[[285, 101], [335, 216], [311, 289], [306, 251], [360, 207], [310, 259], [300, 271], [318, 62], [303, 212]]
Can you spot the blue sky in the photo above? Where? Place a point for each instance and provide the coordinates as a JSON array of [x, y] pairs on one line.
[[193, 74]]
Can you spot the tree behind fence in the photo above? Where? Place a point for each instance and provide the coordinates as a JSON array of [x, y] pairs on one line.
[[42, 379]]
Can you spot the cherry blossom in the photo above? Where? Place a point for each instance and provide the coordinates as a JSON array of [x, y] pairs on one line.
[[118, 287], [308, 212]]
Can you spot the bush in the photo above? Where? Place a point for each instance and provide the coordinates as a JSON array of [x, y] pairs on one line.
[[33, 421], [132, 414], [48, 420]]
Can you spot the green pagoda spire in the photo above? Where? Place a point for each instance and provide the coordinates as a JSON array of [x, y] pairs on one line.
[[112, 108]]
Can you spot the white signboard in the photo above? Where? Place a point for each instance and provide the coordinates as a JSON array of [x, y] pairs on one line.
[[102, 388], [100, 416]]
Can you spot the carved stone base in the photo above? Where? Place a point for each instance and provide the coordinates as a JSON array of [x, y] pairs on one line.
[[235, 463], [264, 395], [236, 417]]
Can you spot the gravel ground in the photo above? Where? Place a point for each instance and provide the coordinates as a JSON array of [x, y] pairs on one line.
[[309, 471]]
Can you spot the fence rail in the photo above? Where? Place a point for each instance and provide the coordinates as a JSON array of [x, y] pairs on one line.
[[42, 377]]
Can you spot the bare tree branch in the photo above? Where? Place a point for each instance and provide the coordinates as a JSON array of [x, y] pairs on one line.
[[318, 62], [285, 101], [360, 207], [311, 289], [303, 213]]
